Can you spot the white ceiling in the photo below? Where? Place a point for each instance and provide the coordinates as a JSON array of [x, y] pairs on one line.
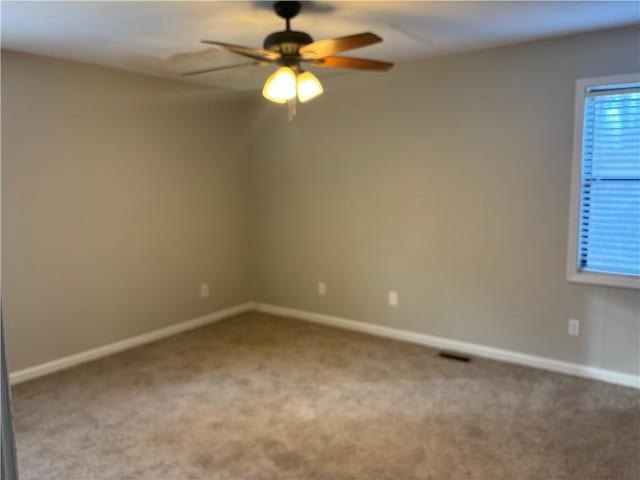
[[162, 38]]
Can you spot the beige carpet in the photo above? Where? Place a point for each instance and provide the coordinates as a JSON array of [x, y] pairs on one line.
[[262, 397]]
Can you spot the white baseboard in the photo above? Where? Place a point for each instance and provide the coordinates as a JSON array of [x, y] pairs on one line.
[[105, 350], [575, 369]]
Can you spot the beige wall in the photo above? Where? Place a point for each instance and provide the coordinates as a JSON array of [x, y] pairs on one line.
[[447, 180], [120, 195]]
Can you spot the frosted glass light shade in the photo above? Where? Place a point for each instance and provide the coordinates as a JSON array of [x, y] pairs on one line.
[[308, 87], [281, 86]]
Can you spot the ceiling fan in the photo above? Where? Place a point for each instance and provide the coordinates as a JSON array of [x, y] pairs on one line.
[[290, 49]]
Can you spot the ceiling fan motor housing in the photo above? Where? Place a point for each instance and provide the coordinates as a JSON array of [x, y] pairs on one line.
[[287, 42]]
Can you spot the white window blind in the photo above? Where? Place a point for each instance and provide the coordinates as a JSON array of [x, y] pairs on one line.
[[609, 222]]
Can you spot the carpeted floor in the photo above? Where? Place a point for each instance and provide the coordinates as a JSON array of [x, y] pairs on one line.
[[263, 397]]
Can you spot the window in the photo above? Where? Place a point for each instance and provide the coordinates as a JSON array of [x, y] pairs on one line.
[[604, 235]]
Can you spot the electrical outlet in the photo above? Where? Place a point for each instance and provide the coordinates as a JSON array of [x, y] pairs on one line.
[[322, 289], [393, 298], [204, 290], [574, 327]]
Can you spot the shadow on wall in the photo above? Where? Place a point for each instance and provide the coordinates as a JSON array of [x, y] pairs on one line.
[[610, 327]]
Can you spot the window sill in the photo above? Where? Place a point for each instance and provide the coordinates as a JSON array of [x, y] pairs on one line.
[[605, 279]]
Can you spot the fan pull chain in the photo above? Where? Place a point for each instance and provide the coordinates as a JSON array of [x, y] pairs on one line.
[[292, 108]]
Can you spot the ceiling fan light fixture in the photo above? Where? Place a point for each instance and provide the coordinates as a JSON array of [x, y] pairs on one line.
[[309, 87], [288, 49], [280, 86]]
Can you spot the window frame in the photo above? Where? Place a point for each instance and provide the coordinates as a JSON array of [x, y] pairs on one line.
[[574, 274]]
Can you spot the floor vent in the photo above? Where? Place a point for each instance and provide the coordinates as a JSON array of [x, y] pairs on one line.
[[454, 356]]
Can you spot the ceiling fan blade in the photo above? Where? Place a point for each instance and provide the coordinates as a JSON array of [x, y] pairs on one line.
[[323, 48], [226, 67], [351, 63], [255, 53]]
